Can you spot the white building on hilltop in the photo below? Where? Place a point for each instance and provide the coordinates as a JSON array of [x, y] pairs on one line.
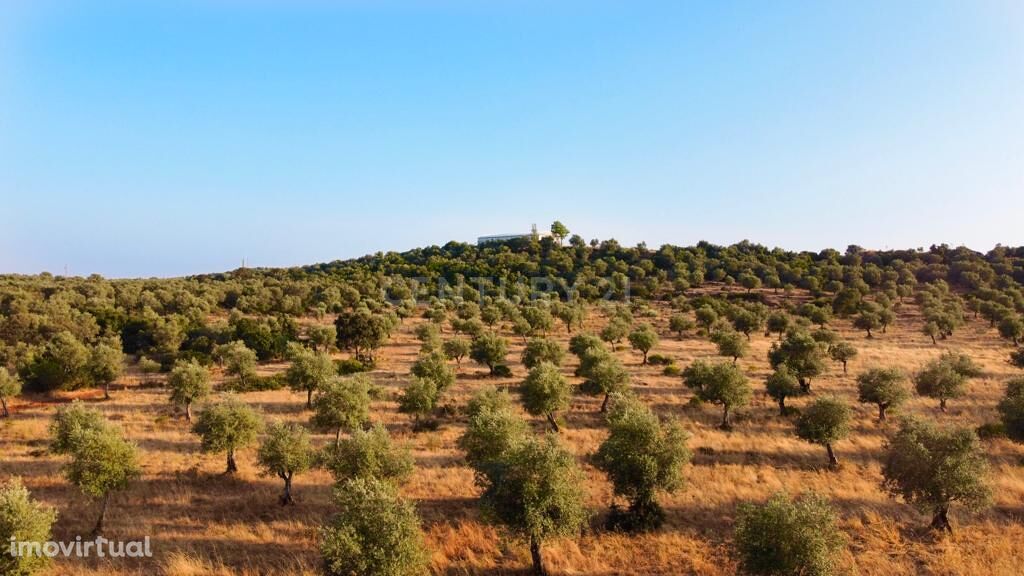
[[480, 241]]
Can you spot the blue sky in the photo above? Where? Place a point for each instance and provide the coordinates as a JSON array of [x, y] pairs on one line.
[[168, 138]]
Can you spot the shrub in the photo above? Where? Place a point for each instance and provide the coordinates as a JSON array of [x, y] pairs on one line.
[[672, 370], [149, 366], [351, 366], [22, 519], [659, 360], [375, 533], [788, 537]]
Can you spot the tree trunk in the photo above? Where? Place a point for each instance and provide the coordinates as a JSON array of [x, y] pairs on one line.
[[3, 404], [188, 411], [232, 465], [604, 404], [551, 420], [286, 498], [805, 385], [942, 405], [538, 563], [337, 437], [645, 358], [940, 521], [725, 417], [934, 343], [309, 399], [881, 411], [782, 406], [833, 462], [103, 513], [106, 390], [844, 368], [869, 333]]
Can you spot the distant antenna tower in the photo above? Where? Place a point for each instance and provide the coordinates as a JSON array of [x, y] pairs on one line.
[[533, 230]]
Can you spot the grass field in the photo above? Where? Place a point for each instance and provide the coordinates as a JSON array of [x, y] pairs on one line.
[[204, 523]]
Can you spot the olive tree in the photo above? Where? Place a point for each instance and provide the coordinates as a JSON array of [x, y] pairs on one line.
[[189, 382], [1012, 329], [782, 384], [801, 353], [540, 350], [680, 324], [545, 391], [23, 519], [308, 372], [777, 323], [945, 378], [433, 366], [536, 491], [238, 360], [616, 329], [706, 317], [493, 429], [374, 533], [368, 454], [603, 374], [643, 338], [102, 462], [69, 423], [825, 422], [731, 344], [10, 386], [227, 426], [1011, 409], [322, 337], [419, 399], [456, 349], [489, 349], [284, 452], [720, 383], [342, 404], [105, 364], [842, 352], [932, 468], [883, 387], [642, 456], [788, 537]]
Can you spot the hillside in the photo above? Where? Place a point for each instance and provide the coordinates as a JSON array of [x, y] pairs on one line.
[[897, 309]]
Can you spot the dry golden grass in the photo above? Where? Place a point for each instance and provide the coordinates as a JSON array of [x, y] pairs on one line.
[[203, 523]]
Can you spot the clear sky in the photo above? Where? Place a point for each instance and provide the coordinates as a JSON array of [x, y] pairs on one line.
[[167, 138]]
